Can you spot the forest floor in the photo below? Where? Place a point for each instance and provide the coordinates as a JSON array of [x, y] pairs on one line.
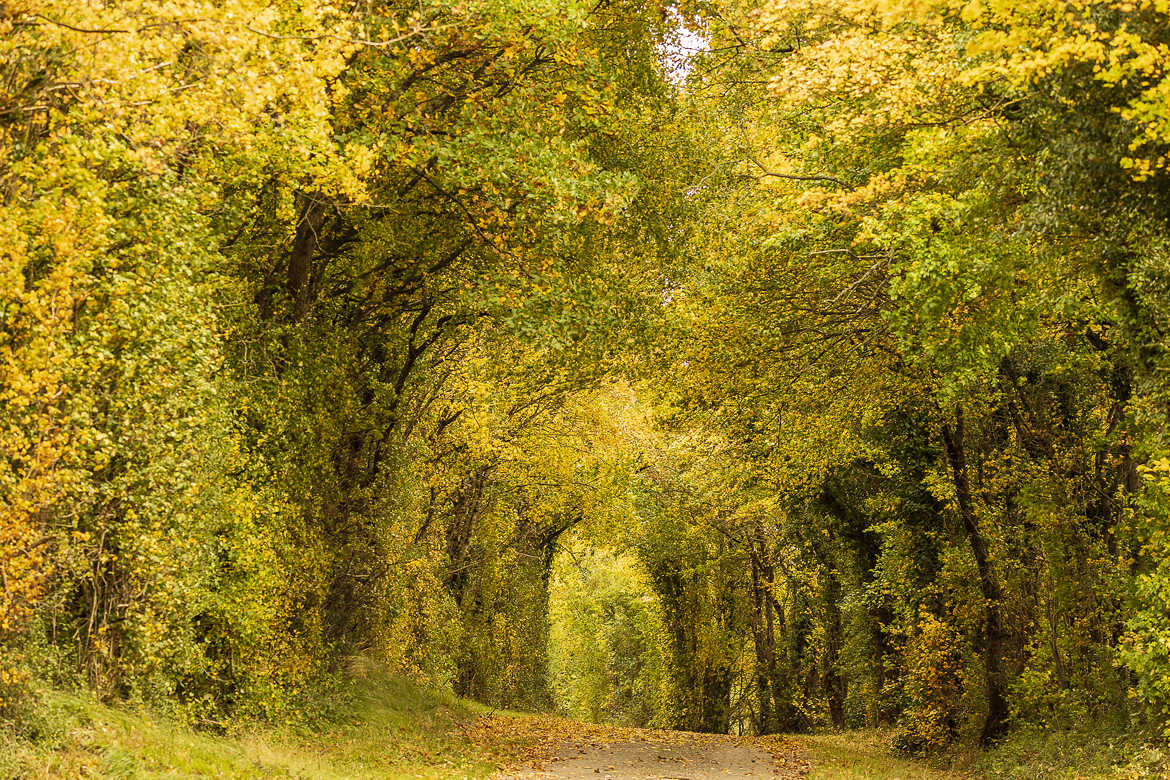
[[388, 728], [560, 749]]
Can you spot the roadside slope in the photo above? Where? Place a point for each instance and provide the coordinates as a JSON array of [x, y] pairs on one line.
[[388, 728]]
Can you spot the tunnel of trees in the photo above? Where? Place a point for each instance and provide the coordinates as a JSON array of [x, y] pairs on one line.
[[737, 367]]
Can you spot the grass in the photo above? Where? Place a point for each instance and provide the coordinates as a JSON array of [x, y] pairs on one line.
[[862, 755], [391, 729], [1100, 754], [1052, 755]]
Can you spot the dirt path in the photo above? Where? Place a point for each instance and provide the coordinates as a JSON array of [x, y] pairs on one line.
[[653, 760], [600, 753]]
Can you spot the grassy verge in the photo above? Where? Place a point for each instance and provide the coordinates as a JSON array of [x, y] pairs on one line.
[[865, 755], [1101, 754], [390, 729], [1052, 755]]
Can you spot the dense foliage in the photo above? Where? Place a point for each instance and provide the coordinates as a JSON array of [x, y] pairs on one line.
[[935, 346], [813, 375], [289, 291]]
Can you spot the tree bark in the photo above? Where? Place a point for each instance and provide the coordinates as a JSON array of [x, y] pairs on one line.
[[311, 215], [993, 637]]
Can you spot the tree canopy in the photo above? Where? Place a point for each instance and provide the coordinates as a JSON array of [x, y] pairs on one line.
[[736, 367]]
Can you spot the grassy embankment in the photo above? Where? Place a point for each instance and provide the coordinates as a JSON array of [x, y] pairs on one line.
[[388, 729]]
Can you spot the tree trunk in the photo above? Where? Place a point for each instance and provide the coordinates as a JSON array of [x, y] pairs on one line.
[[993, 638], [834, 682], [311, 215]]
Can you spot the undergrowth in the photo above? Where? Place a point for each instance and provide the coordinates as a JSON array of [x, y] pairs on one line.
[[383, 727], [1082, 754]]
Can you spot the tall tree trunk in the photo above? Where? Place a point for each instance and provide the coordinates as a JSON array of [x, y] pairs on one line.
[[764, 639], [993, 637], [775, 678], [834, 682]]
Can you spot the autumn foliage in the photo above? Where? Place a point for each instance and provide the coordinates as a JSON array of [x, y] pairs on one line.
[[810, 376]]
